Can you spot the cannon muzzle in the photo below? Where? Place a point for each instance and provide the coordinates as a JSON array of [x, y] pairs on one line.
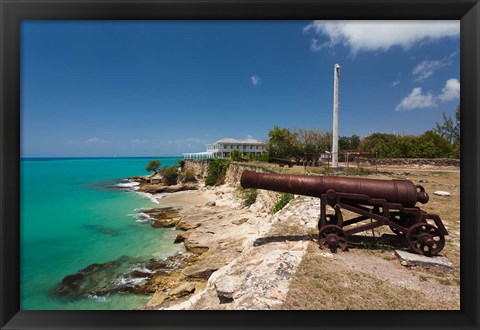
[[394, 191]]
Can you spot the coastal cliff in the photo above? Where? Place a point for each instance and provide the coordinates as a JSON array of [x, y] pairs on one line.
[[238, 253], [245, 256]]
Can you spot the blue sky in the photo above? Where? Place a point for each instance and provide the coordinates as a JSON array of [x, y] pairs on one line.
[[160, 88]]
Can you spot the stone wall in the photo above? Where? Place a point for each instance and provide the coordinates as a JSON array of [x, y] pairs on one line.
[[199, 167], [413, 161], [266, 199]]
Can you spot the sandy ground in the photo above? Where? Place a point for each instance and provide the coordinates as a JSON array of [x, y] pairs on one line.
[[186, 199]]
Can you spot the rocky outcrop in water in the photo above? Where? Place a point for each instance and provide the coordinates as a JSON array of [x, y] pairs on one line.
[[126, 274], [163, 217]]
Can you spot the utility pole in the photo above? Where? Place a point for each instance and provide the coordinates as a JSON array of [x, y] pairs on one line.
[[336, 73]]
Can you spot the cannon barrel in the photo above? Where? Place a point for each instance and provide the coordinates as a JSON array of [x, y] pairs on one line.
[[394, 191]]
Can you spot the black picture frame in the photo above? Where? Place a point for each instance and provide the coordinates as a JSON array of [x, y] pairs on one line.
[[13, 11]]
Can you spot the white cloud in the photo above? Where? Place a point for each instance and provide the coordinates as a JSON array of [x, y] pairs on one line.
[[451, 91], [379, 35], [416, 99], [395, 83], [95, 140], [256, 80], [426, 69]]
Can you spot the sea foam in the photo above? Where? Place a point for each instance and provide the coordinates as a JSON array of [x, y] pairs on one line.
[[129, 184]]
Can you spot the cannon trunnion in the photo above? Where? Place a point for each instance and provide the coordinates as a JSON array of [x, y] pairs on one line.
[[382, 202]]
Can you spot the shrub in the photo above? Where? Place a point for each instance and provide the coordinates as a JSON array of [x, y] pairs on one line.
[[357, 171], [263, 157], [216, 171], [170, 175], [181, 162], [249, 196], [188, 175], [282, 201], [322, 171], [237, 156]]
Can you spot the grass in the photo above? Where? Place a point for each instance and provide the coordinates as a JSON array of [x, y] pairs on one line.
[[249, 196], [360, 171], [335, 287], [282, 202], [286, 229], [323, 283], [438, 173], [323, 171]]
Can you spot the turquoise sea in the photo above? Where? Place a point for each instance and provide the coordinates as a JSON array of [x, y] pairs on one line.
[[73, 215]]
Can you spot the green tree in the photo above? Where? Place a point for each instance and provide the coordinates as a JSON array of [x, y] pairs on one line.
[[433, 145], [153, 165], [448, 129], [312, 143], [381, 144], [348, 142], [282, 143]]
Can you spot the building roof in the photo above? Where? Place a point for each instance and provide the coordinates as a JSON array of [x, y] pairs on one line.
[[246, 141]]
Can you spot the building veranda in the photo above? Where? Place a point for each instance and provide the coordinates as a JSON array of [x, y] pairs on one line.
[[222, 149]]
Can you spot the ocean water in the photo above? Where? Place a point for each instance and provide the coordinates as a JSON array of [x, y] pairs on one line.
[[72, 215]]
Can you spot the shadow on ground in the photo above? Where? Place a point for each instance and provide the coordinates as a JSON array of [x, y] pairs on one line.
[[384, 242], [283, 238]]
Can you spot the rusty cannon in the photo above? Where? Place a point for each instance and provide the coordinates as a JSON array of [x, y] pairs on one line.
[[382, 202]]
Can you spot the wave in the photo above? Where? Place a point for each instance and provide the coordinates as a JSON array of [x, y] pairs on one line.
[[143, 270], [140, 217], [149, 196], [129, 184], [125, 281], [102, 299]]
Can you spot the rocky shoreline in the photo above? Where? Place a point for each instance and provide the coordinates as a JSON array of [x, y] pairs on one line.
[[236, 256], [218, 232], [244, 256]]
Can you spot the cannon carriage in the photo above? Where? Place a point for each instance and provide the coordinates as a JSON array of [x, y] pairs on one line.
[[382, 202]]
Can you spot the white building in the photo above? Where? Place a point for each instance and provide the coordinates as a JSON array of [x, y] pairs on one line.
[[223, 147]]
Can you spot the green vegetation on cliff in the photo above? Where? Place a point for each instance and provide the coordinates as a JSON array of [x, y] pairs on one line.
[[217, 168]]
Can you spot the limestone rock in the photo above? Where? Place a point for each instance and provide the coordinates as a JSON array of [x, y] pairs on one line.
[[184, 225], [227, 286], [163, 223], [199, 271], [412, 259], [157, 299], [182, 236], [195, 246], [212, 203], [182, 290], [239, 221], [441, 193]]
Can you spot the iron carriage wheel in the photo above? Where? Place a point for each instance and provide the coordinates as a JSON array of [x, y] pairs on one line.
[[330, 219], [403, 220], [425, 239], [333, 237]]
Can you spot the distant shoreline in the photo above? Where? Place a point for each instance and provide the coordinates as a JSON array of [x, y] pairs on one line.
[[103, 157]]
